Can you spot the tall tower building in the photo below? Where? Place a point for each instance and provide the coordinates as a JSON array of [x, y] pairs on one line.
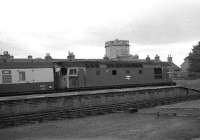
[[117, 48]]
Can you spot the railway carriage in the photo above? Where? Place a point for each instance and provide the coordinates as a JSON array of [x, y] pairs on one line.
[[19, 77]]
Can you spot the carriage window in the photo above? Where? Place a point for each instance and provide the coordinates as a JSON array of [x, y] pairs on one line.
[[114, 72], [22, 76], [98, 72], [73, 72], [6, 76], [157, 73], [63, 71]]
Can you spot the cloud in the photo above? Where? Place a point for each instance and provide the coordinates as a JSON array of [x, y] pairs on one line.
[[167, 24], [37, 27], [177, 24], [10, 45]]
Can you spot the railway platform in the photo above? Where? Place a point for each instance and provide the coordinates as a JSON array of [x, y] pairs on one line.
[[23, 109]]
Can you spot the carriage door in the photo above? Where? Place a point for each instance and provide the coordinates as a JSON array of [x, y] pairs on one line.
[[73, 78]]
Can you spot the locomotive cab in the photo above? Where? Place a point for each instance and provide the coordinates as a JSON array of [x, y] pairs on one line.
[[70, 77]]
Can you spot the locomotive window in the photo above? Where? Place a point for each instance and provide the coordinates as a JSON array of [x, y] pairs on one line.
[[157, 73], [72, 72], [63, 71], [127, 71], [22, 76], [98, 72], [114, 72], [140, 71]]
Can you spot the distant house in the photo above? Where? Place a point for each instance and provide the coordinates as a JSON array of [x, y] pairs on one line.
[[174, 70]]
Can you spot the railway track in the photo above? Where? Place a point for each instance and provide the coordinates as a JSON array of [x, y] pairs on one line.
[[62, 113]]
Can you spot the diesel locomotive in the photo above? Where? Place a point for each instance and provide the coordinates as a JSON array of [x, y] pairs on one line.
[[34, 76]]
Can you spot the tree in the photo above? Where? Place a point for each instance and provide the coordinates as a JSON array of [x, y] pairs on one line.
[[194, 59]]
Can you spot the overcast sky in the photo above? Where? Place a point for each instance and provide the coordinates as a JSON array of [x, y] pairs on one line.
[[153, 27]]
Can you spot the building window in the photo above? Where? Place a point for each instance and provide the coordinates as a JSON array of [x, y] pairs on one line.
[[72, 71], [127, 71], [114, 72], [140, 71], [22, 76], [98, 72], [6, 76], [157, 73]]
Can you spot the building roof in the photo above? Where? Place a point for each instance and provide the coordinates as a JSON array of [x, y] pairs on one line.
[[22, 65], [97, 63], [108, 63], [117, 42], [173, 67], [39, 62]]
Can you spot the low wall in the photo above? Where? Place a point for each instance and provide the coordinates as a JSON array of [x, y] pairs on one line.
[[78, 100]]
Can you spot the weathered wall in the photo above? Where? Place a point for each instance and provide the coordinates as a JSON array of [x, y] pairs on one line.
[[31, 104]]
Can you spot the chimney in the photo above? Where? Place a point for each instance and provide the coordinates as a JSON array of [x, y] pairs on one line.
[[169, 59], [157, 58], [148, 58]]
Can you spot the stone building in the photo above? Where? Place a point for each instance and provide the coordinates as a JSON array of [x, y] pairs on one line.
[[174, 70], [119, 50]]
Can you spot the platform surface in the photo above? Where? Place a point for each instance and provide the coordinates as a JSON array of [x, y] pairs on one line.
[[70, 93]]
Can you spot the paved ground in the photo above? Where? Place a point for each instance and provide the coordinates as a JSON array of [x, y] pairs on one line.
[[182, 108], [195, 84], [116, 126], [188, 104]]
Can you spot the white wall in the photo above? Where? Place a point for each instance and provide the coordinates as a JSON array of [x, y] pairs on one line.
[[32, 75]]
